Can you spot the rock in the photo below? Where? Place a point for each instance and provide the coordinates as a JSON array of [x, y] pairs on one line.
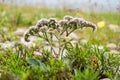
[[105, 79], [74, 42], [114, 52], [0, 75], [7, 44], [114, 28], [27, 44], [37, 53], [20, 31], [5, 29], [73, 35], [111, 45], [47, 48]]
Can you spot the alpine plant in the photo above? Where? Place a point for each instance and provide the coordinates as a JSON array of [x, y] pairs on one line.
[[52, 27]]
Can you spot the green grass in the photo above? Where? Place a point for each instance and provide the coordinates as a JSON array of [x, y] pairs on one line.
[[81, 63]]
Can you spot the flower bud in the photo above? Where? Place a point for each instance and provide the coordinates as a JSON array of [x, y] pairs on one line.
[[26, 36], [33, 30], [68, 18], [81, 21], [43, 28], [53, 23], [52, 20], [74, 22], [42, 22], [89, 24], [62, 23], [50, 31]]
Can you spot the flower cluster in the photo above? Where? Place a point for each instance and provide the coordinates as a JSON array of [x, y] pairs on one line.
[[47, 29], [68, 25]]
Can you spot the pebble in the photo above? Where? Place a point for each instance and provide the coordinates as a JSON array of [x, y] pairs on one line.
[[28, 44], [37, 53], [47, 48], [73, 35], [5, 29], [7, 44], [114, 52], [111, 45], [105, 79], [114, 28], [20, 31]]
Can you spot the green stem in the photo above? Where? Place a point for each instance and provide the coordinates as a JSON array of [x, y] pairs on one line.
[[47, 38]]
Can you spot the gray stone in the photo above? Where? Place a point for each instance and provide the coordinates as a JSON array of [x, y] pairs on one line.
[[7, 44], [114, 52], [105, 79], [111, 45], [73, 35], [20, 31], [114, 28]]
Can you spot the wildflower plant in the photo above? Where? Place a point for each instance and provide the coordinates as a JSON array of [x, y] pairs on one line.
[[49, 28]]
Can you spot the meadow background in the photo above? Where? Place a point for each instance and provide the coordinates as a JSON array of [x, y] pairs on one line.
[[95, 57]]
